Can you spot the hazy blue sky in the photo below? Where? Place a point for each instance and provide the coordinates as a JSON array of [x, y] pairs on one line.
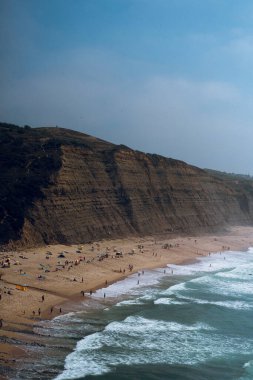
[[172, 77]]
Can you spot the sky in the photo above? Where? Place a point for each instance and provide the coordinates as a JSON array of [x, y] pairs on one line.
[[172, 77]]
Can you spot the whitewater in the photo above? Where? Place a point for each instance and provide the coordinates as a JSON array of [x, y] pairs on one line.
[[181, 322]]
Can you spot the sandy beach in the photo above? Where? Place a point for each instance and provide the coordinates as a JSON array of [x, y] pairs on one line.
[[41, 283]]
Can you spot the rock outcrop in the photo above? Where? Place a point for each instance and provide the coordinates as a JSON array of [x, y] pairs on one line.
[[59, 185]]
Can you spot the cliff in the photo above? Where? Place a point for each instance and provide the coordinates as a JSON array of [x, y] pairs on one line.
[[58, 185]]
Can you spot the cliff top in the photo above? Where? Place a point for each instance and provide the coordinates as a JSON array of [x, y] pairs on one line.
[[63, 186]]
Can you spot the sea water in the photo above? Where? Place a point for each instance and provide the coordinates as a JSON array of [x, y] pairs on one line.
[[185, 322]]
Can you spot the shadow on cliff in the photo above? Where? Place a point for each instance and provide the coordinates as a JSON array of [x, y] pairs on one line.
[[28, 159], [62, 186]]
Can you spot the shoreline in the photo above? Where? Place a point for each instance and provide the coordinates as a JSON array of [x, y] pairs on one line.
[[62, 287]]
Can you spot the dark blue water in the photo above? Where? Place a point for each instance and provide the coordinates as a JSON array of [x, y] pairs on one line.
[[194, 324]]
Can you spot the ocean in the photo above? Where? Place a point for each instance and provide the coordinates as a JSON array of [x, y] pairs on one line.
[[183, 323]]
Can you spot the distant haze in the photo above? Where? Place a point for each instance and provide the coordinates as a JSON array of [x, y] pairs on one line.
[[169, 77]]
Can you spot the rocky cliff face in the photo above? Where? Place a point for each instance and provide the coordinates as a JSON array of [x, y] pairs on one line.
[[62, 186]]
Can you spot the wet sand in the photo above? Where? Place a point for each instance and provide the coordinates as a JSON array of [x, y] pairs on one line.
[[41, 283]]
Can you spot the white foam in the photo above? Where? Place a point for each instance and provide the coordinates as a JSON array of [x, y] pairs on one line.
[[149, 296], [138, 340], [168, 301], [67, 323], [241, 273], [236, 305], [68, 317], [214, 262], [218, 284], [130, 302], [175, 289], [130, 285], [134, 284], [90, 342], [248, 369], [235, 279]]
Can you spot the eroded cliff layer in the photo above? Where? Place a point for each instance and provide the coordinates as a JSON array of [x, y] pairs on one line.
[[59, 185]]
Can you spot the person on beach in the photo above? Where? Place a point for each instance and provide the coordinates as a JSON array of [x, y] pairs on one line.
[[51, 310], [39, 311], [43, 298], [60, 310], [90, 292]]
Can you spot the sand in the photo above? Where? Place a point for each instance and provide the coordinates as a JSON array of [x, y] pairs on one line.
[[53, 276]]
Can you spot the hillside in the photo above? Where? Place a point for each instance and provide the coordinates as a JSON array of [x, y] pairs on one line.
[[58, 185]]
